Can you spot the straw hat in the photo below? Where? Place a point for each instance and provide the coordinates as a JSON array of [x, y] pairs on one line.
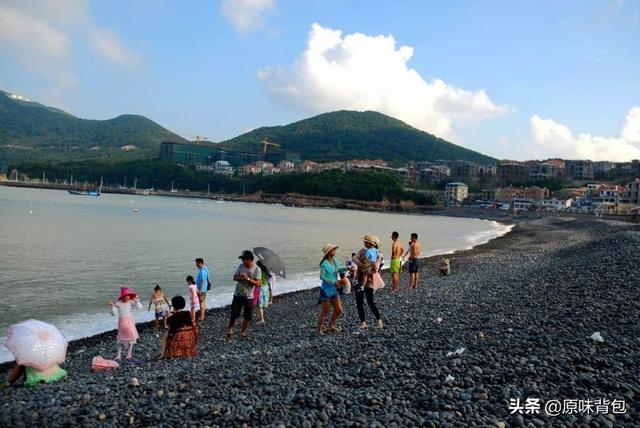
[[376, 241], [370, 239], [327, 248], [126, 291]]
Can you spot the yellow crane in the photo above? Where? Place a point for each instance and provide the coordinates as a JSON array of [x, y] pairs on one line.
[[266, 143], [200, 139]]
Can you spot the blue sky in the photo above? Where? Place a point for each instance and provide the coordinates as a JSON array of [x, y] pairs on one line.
[[510, 79]]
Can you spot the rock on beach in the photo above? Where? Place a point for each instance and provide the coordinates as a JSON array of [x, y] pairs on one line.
[[523, 307]]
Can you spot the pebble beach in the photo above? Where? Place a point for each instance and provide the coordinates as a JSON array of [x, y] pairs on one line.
[[520, 310]]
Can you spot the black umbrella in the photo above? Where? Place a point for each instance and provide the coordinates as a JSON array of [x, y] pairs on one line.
[[271, 260]]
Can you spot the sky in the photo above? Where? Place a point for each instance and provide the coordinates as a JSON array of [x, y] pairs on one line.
[[514, 80]]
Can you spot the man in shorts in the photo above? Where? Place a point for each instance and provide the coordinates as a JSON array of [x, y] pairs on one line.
[[414, 255], [248, 275], [202, 284], [396, 262]]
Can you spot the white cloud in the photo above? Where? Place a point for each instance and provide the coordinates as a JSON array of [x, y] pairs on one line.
[[108, 44], [362, 72], [554, 139], [246, 15], [39, 36], [30, 33]]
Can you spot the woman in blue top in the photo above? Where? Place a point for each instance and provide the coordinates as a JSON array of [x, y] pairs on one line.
[[330, 271]]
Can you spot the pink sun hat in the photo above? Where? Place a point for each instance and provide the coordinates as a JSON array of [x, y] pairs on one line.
[[126, 291]]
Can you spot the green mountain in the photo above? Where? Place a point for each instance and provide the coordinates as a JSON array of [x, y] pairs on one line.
[[32, 131], [343, 135]]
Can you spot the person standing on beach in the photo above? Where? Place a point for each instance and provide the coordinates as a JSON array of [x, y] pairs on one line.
[[330, 271], [248, 275], [203, 285], [396, 261], [414, 254], [366, 289]]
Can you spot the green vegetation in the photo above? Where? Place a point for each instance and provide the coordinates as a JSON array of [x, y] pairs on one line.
[[32, 131], [151, 173], [346, 135]]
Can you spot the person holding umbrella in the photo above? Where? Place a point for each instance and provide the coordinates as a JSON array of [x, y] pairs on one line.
[[38, 348], [330, 270], [273, 264]]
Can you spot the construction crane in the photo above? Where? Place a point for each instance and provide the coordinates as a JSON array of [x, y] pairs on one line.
[[266, 143], [200, 139]]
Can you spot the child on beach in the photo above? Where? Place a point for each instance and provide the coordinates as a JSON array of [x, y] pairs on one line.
[[264, 290], [368, 257], [127, 333], [194, 300], [161, 305]]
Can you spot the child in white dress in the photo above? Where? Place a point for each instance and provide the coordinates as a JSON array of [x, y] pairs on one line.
[[127, 332]]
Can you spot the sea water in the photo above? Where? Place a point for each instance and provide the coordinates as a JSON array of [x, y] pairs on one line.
[[62, 257]]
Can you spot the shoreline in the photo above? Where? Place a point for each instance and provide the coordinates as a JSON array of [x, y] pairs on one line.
[[522, 305], [325, 203], [145, 325]]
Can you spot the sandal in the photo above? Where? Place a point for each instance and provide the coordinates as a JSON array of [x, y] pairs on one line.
[[229, 337], [332, 329]]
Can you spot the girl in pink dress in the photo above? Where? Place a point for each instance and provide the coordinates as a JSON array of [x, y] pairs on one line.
[[194, 299], [127, 333]]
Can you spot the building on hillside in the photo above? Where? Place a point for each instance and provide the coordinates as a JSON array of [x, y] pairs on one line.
[[580, 170], [203, 154], [223, 168], [203, 168], [490, 170], [611, 193], [555, 205], [464, 169], [488, 195], [534, 193], [364, 163], [250, 169], [510, 172], [307, 166], [540, 171], [455, 192], [602, 169], [286, 166], [633, 191], [433, 175], [522, 204]]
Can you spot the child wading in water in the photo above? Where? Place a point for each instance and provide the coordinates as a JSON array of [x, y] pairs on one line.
[[193, 297], [161, 305], [127, 333]]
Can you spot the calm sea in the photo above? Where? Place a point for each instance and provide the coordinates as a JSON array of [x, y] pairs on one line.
[[63, 256]]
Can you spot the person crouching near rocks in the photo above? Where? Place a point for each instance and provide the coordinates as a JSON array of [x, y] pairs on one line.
[[248, 275], [181, 340], [445, 267], [330, 270]]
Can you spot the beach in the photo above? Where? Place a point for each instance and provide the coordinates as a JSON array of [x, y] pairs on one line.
[[523, 307]]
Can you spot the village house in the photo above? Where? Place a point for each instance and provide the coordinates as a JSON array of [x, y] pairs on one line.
[[455, 192]]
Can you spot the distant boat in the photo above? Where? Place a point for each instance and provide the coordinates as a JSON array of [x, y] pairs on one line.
[[85, 193], [96, 192]]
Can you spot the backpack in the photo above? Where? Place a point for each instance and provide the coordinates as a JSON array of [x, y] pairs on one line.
[[208, 282]]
